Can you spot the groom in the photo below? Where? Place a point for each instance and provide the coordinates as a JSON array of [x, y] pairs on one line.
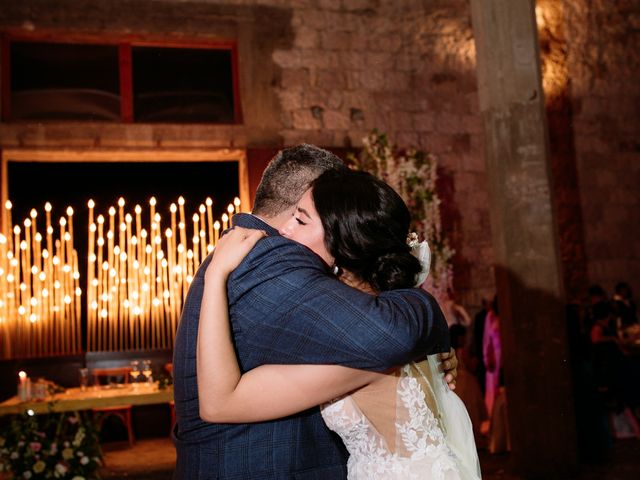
[[285, 308]]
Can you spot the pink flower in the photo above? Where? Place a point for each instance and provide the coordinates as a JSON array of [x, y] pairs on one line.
[[35, 446], [73, 420]]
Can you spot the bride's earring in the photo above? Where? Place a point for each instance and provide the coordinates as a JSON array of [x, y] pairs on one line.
[[336, 270]]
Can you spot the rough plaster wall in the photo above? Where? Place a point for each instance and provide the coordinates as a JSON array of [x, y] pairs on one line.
[[604, 65]]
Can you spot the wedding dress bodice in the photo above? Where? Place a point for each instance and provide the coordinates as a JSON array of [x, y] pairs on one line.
[[397, 438], [393, 429]]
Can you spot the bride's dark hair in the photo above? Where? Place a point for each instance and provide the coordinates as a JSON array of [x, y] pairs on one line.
[[366, 225]]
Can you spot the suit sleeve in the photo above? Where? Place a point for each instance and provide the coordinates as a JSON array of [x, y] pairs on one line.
[[285, 308]]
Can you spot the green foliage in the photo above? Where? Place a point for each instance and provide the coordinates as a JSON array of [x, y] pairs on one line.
[[55, 445], [413, 175]]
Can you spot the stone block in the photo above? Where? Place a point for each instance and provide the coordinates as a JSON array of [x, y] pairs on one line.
[[303, 119], [438, 143], [353, 79], [330, 79], [360, 5], [356, 137], [401, 121], [379, 60], [321, 138], [335, 40], [290, 98], [359, 41], [407, 139], [351, 60], [329, 4], [335, 99], [472, 162], [424, 122], [295, 78], [287, 58], [397, 81], [319, 58], [372, 79], [472, 124], [313, 18], [448, 123], [404, 62], [391, 43], [336, 120], [306, 37]]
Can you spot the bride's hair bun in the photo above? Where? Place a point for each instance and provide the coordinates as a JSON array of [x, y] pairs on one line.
[[394, 270], [365, 226]]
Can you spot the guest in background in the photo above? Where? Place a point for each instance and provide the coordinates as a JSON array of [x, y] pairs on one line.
[[596, 295], [492, 354], [624, 308], [477, 343], [467, 386], [593, 434], [499, 435]]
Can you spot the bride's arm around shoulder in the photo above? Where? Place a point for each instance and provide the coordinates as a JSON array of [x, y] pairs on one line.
[[266, 392]]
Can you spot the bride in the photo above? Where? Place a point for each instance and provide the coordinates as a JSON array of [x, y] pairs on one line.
[[401, 424]]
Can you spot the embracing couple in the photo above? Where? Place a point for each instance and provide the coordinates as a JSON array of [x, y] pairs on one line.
[[310, 302]]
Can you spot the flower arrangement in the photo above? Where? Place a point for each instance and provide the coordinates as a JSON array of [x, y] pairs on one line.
[[413, 174], [55, 446]]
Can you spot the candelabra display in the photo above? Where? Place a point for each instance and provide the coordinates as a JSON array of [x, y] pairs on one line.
[[138, 272], [39, 287]]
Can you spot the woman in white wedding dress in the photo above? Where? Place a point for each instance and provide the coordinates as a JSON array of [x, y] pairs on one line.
[[401, 424]]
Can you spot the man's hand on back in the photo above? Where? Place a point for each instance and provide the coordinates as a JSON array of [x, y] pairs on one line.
[[450, 367]]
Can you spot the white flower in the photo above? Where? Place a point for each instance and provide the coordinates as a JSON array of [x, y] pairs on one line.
[[27, 474], [84, 460], [78, 477], [14, 455], [61, 469]]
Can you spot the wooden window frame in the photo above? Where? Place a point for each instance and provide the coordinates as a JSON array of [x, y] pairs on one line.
[[124, 44], [132, 155]]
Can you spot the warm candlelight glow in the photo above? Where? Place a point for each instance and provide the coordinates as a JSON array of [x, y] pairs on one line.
[[139, 267], [140, 275], [37, 273]]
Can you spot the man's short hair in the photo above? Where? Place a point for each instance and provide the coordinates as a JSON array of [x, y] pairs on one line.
[[289, 175]]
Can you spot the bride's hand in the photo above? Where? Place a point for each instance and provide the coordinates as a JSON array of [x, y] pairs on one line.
[[231, 250]]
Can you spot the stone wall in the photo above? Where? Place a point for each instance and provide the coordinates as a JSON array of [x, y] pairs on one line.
[[603, 58], [407, 69]]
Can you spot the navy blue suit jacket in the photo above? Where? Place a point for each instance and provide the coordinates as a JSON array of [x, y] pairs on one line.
[[286, 309]]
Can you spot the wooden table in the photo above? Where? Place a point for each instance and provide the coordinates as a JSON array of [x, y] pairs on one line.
[[93, 397]]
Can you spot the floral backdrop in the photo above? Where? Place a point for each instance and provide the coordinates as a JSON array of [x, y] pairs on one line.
[[413, 174]]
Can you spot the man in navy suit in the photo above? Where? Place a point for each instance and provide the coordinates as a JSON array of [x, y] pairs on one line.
[[286, 308]]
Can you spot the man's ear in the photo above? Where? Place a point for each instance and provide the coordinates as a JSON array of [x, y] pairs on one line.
[[280, 219]]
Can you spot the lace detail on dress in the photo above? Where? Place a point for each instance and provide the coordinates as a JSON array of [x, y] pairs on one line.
[[419, 450]]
